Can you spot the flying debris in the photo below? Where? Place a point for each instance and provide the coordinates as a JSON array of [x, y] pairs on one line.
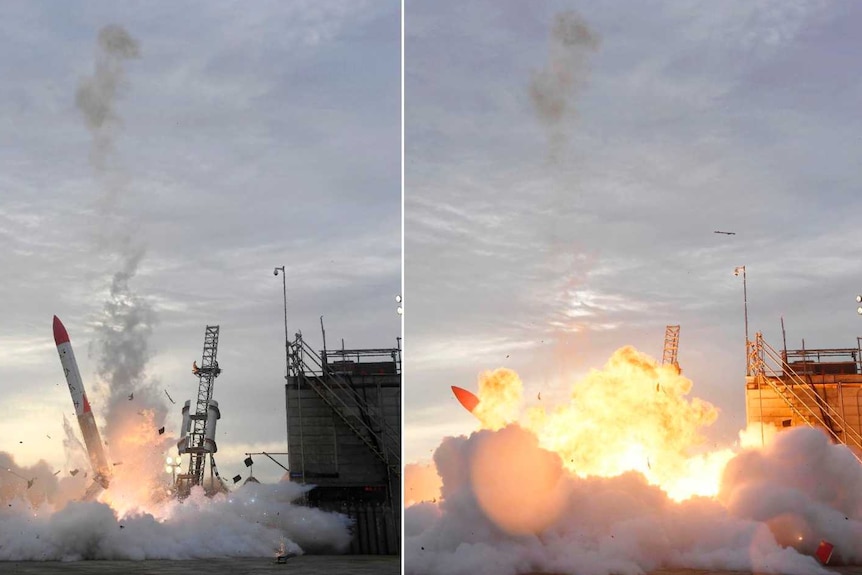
[[169, 396], [824, 551], [82, 408], [465, 398], [131, 396], [19, 476], [162, 430], [725, 233]]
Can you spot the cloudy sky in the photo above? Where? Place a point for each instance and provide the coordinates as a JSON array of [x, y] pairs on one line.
[[568, 162], [241, 137]]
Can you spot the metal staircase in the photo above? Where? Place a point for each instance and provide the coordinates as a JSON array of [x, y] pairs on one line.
[[363, 419], [800, 395]]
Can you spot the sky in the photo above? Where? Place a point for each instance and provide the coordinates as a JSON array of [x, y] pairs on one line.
[[567, 164], [229, 139]]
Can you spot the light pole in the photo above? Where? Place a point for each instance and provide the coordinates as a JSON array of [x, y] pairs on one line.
[[745, 301], [286, 342]]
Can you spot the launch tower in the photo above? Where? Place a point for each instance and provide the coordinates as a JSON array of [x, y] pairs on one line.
[[199, 428]]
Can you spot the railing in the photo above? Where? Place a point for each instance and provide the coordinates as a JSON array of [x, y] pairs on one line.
[[333, 389], [799, 390]]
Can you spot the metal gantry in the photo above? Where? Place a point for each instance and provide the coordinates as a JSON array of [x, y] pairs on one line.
[[671, 346], [197, 445]]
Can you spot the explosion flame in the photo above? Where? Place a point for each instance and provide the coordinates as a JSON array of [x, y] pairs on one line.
[[619, 478]]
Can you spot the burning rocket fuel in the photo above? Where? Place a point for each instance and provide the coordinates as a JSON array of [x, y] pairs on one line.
[[466, 398], [82, 407]]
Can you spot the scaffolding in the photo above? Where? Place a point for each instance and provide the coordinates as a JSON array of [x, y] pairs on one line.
[[199, 438], [793, 376], [671, 347]]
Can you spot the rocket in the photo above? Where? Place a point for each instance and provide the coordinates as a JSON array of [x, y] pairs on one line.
[[466, 398], [82, 407]]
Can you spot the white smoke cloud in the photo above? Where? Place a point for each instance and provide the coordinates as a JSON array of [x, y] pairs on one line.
[[256, 520], [804, 488], [485, 522]]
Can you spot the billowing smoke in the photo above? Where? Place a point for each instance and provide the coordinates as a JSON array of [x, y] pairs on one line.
[[553, 88], [256, 520], [508, 506], [804, 488]]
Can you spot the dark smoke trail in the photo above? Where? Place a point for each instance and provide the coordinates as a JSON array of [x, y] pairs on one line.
[[97, 94], [553, 88]]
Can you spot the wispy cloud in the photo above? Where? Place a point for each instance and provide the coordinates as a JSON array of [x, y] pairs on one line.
[[692, 120]]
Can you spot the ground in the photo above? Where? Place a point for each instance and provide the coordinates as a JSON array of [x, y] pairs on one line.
[[305, 565]]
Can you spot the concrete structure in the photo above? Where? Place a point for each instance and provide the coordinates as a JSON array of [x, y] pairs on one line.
[[344, 437], [816, 387]]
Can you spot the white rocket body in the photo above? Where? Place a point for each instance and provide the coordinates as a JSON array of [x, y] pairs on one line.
[[86, 421]]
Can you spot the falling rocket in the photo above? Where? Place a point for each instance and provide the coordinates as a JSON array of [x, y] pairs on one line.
[[466, 398], [82, 407]]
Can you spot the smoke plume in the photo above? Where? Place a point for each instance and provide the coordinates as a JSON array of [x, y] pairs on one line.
[[135, 409], [554, 87], [97, 95]]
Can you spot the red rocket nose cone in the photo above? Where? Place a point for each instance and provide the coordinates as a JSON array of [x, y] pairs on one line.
[[466, 398], [60, 335]]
